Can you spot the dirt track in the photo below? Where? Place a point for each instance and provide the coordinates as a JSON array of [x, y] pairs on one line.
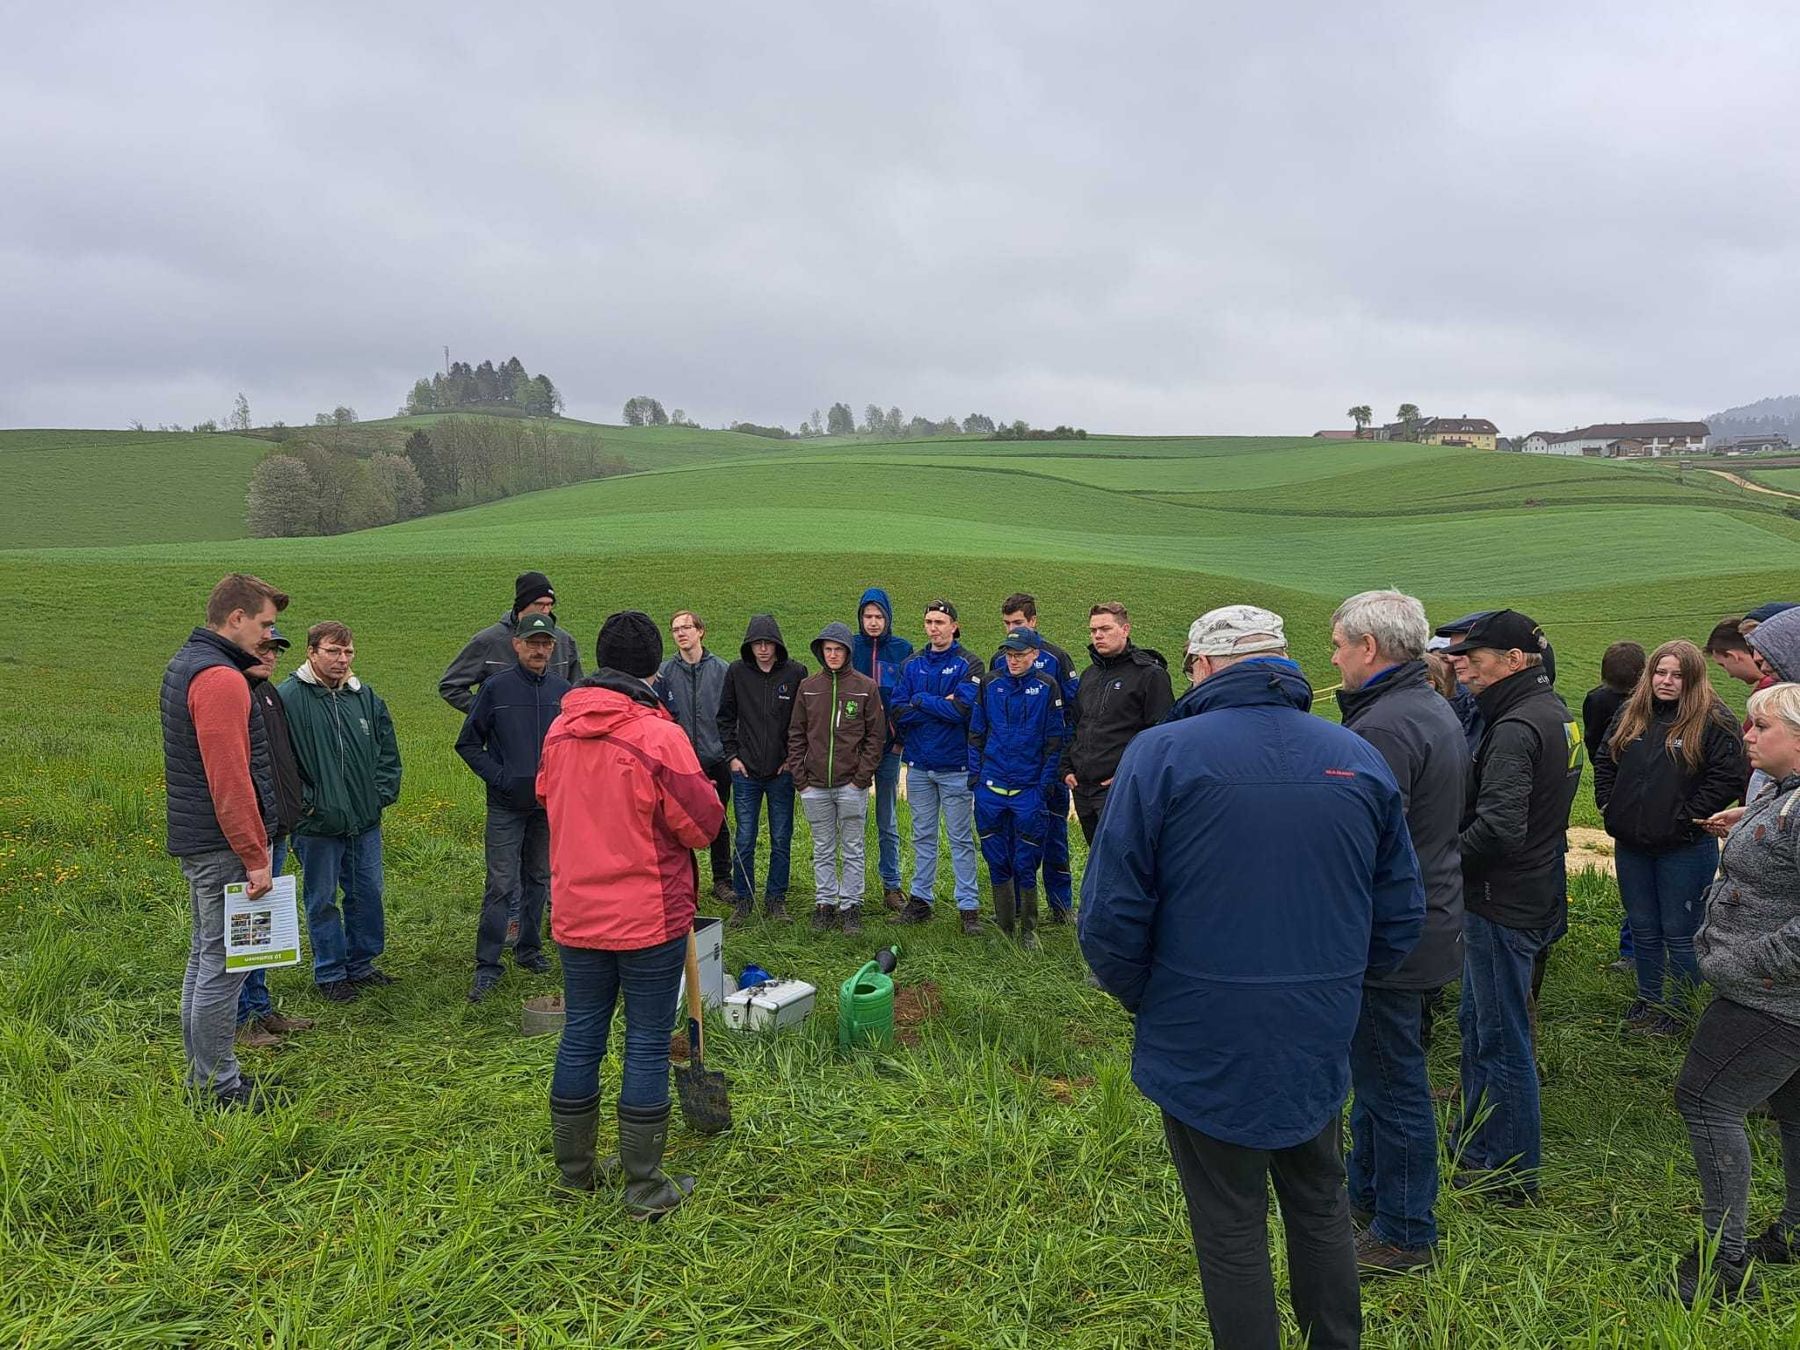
[[1745, 483]]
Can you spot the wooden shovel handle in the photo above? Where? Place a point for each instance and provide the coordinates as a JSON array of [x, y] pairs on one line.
[[693, 992]]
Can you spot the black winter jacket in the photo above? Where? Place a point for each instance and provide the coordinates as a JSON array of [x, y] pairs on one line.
[[1515, 829], [755, 707], [1118, 697], [289, 793], [193, 824], [1421, 739], [1650, 797], [1598, 709], [502, 738]]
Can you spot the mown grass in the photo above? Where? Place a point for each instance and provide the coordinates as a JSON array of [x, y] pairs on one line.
[[999, 1183]]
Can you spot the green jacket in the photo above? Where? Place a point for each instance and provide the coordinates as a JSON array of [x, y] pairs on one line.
[[349, 759]]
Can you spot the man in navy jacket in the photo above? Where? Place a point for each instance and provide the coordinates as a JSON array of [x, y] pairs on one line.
[[501, 740], [1252, 867]]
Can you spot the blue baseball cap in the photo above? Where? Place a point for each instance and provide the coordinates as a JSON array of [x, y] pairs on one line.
[[281, 643], [1022, 640]]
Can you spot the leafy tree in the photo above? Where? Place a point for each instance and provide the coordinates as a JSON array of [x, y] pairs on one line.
[[893, 422], [423, 398], [1362, 414], [240, 413], [872, 419], [282, 502], [818, 423], [342, 416], [399, 483], [207, 425], [921, 426], [644, 411], [1409, 417], [773, 433], [840, 421], [978, 423]]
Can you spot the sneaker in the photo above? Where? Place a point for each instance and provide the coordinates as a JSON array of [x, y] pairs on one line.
[[824, 918], [894, 898], [374, 979], [776, 910], [252, 1036], [281, 1023], [512, 932], [481, 989], [971, 922], [1729, 1281], [1060, 917], [850, 920], [339, 991], [1775, 1246], [250, 1094], [743, 911], [916, 911], [1638, 1017], [1375, 1258], [537, 965]]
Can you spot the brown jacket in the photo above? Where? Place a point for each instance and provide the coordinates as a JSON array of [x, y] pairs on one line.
[[837, 732]]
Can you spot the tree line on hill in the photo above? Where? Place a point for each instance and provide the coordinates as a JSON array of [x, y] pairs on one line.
[[507, 385], [889, 424], [305, 487]]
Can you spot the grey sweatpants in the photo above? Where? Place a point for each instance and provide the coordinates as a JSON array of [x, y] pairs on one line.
[[209, 993], [837, 817]]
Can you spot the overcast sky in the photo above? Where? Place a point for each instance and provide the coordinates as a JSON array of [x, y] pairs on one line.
[[1140, 218]]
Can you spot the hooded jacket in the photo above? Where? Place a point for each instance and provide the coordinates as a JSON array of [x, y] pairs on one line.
[[755, 707], [692, 693], [503, 735], [839, 733], [1413, 728], [1778, 640], [1648, 795], [931, 704], [1251, 868], [1016, 730], [349, 760], [1117, 697], [627, 800], [1515, 830], [1749, 944], [490, 652], [880, 658]]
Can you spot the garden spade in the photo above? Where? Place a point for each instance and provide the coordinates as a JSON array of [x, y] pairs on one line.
[[703, 1094]]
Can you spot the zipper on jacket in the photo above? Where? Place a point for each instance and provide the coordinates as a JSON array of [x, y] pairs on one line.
[[831, 732]]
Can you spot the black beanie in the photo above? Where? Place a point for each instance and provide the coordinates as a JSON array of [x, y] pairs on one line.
[[531, 586], [629, 642]]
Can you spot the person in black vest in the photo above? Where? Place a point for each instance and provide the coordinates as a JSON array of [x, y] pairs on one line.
[[1527, 771], [501, 740], [260, 1027], [221, 814], [1123, 690], [1378, 644]]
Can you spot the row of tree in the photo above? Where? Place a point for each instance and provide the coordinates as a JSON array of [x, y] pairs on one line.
[[486, 385], [1407, 414], [306, 488], [644, 411]]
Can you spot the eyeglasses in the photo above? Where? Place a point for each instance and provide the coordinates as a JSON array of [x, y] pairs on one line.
[[337, 651]]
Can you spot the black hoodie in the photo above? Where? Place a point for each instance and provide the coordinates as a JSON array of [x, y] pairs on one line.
[[755, 708], [1118, 697], [1650, 797]]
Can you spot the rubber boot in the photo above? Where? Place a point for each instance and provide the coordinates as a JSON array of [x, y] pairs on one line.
[[573, 1126], [650, 1192], [1028, 938], [1004, 906]]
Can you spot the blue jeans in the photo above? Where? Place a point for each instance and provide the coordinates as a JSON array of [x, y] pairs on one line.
[[1499, 1070], [344, 947], [592, 983], [929, 792], [1393, 1130], [1664, 895], [1059, 885], [887, 819], [747, 797], [518, 882], [253, 998]]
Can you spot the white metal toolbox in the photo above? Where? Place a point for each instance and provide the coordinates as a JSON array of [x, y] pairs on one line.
[[767, 1007]]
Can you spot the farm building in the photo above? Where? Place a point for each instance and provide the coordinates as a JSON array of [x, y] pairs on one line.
[[1477, 433], [1609, 440], [1769, 442]]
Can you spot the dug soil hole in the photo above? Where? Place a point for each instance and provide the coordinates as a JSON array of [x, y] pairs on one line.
[[914, 1005]]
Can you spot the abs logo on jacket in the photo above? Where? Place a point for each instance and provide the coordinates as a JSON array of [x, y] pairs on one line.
[[1032, 691]]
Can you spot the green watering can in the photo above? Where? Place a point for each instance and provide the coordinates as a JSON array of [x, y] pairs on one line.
[[866, 1003]]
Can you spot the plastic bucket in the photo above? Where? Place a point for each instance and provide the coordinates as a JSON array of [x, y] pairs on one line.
[[866, 1009]]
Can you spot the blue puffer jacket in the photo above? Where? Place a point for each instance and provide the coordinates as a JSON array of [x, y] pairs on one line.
[[931, 703], [1016, 731], [880, 658], [1251, 867]]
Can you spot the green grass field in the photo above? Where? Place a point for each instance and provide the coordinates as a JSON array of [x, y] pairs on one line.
[[997, 1183]]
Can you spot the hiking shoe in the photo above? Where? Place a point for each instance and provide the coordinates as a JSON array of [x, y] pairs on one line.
[[776, 910], [250, 1094], [971, 922], [374, 979], [894, 898], [824, 918], [537, 965], [339, 991], [1375, 1258], [482, 988], [281, 1023], [1775, 1246], [723, 893], [916, 911], [743, 911], [252, 1036], [850, 920], [512, 931], [1728, 1281]]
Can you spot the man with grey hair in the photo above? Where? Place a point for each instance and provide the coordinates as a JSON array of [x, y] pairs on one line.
[[1251, 867], [1378, 641]]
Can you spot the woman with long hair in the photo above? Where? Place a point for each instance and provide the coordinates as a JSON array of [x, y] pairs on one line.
[[1672, 757]]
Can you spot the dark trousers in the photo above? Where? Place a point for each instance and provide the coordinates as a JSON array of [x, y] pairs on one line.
[[1739, 1056], [720, 774], [1059, 882], [1089, 802], [1227, 1191], [1393, 1128], [518, 881]]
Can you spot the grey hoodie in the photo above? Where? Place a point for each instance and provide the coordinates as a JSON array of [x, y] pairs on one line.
[[1749, 945]]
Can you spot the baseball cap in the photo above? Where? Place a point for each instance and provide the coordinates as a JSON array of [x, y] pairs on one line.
[[1236, 630], [1502, 631], [281, 643], [1763, 613], [942, 607], [1022, 640], [1462, 625], [535, 625]]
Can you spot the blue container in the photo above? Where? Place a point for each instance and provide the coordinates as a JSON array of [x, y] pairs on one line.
[[753, 976]]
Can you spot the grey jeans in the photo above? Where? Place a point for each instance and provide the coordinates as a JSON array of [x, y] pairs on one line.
[[209, 992], [837, 817]]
